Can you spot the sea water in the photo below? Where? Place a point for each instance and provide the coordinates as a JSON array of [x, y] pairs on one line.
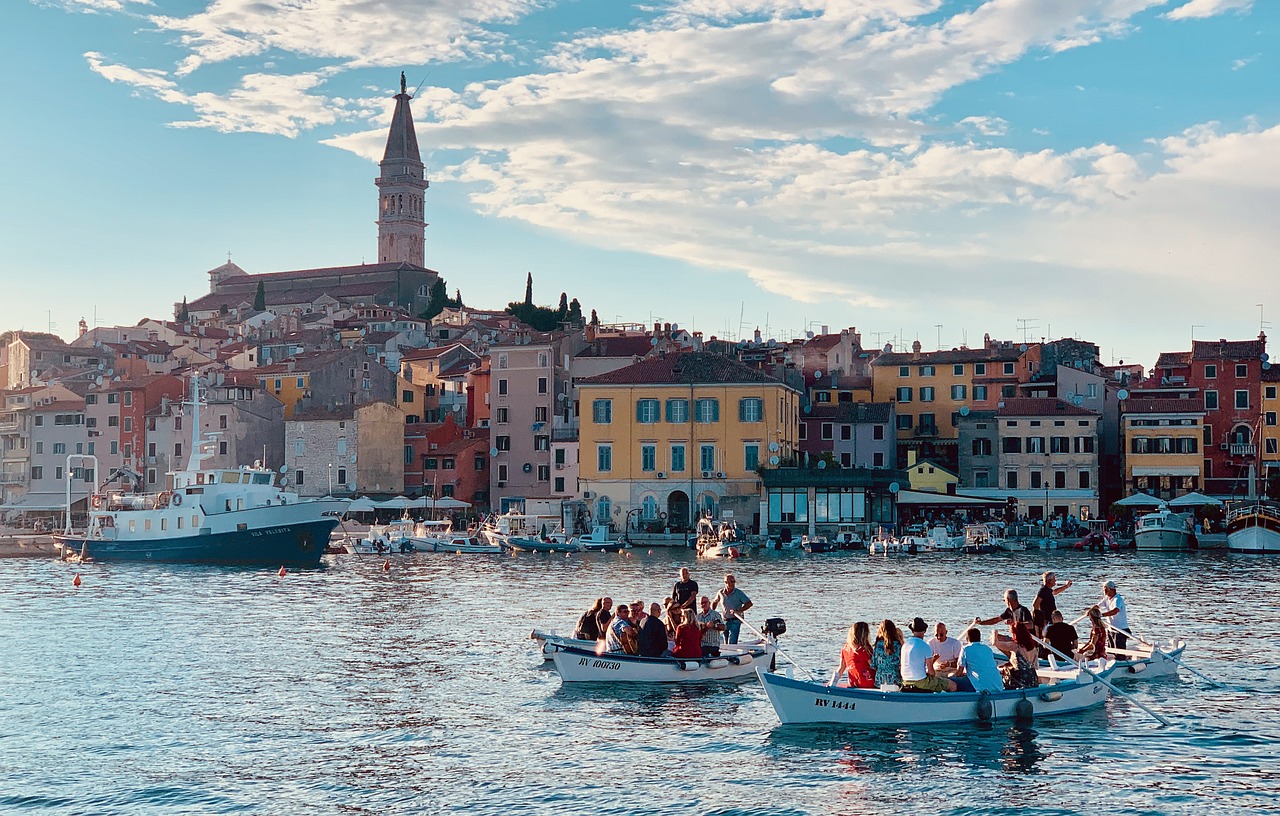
[[352, 689]]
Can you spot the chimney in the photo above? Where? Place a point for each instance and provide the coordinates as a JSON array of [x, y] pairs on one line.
[[657, 328], [826, 329], [757, 334], [915, 350], [84, 327], [666, 327]]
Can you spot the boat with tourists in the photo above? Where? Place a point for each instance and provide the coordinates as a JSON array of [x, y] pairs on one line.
[[578, 665], [394, 537], [719, 540], [1165, 530], [243, 516], [1254, 527]]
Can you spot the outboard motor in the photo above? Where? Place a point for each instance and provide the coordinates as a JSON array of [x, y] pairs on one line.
[[775, 627]]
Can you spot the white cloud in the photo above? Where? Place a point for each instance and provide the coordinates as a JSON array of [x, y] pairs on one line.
[[1209, 8], [986, 125], [1236, 65]]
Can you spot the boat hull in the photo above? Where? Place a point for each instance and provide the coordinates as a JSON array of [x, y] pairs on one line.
[[520, 544], [1162, 539], [800, 702], [295, 544], [1253, 533], [585, 666]]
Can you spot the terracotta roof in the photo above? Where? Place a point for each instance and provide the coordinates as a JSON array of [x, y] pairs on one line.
[[59, 405], [1173, 359], [1039, 406], [822, 342], [688, 368], [1163, 406], [425, 353], [983, 355], [619, 346], [302, 363], [1229, 349], [1271, 374]]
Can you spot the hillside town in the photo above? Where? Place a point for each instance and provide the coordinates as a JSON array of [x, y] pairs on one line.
[[371, 381]]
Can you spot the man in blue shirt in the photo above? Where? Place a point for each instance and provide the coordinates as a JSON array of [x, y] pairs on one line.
[[736, 603], [976, 670]]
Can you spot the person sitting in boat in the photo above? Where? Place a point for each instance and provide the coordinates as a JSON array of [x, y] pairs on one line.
[[621, 636], [855, 658], [944, 647], [1020, 671], [603, 620], [1113, 609], [688, 637], [976, 668], [587, 628], [919, 663], [638, 614], [685, 592], [1061, 635], [711, 625], [1096, 647], [652, 638], [886, 655], [1013, 611]]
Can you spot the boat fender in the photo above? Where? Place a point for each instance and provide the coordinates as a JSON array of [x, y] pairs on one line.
[[717, 663], [1023, 709], [735, 659], [1051, 696], [176, 501], [984, 709], [1137, 668], [97, 502], [688, 665], [743, 659]]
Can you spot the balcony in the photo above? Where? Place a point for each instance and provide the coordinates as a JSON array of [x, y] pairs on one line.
[[13, 478], [1238, 449]]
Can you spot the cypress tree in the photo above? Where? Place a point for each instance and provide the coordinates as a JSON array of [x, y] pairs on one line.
[[260, 298], [528, 290], [184, 315]]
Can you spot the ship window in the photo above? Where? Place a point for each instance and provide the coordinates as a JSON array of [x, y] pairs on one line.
[[164, 524], [179, 522], [133, 525], [262, 478], [146, 525], [195, 521]]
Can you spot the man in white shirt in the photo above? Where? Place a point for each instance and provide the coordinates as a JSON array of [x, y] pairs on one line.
[[918, 672], [946, 649], [1113, 609], [977, 665]]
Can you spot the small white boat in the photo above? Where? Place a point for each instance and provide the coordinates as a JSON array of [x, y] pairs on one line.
[[601, 540], [460, 544], [889, 545], [938, 540], [586, 666], [1254, 528], [1148, 661], [799, 701], [1164, 530], [718, 540], [549, 643], [396, 537], [980, 539]]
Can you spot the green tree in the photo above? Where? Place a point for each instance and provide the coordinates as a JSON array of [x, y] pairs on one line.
[[528, 290], [185, 314], [260, 298], [564, 305], [439, 298], [575, 312]]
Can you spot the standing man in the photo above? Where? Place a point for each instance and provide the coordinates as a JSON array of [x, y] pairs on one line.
[[685, 592], [736, 603], [1045, 605], [711, 624], [1014, 611], [946, 649], [1117, 617]]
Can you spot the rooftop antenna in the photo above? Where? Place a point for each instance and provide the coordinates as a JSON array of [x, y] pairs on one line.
[[52, 325], [877, 336], [1026, 325], [1195, 326], [938, 326], [1263, 325]]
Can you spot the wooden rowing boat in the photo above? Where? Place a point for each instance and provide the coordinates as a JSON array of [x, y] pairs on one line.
[[800, 701], [586, 666]]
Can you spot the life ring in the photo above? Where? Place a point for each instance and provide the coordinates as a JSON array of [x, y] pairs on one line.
[[162, 501], [176, 501], [97, 502]]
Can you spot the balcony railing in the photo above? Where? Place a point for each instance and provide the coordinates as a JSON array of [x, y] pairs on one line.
[[13, 478], [1239, 449]]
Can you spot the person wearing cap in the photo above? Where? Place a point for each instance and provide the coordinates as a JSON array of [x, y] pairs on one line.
[[1117, 616], [1013, 611], [919, 663]]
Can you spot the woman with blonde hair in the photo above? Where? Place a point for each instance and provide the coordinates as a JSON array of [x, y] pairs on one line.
[[886, 655], [1096, 647], [855, 658]]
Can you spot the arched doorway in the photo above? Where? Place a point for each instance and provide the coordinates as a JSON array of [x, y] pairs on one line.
[[678, 510]]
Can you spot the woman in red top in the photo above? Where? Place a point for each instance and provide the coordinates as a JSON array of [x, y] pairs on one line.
[[688, 638], [855, 658]]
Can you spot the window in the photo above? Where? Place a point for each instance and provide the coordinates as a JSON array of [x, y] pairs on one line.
[[707, 409], [980, 392], [299, 478], [502, 473], [37, 473], [222, 422], [926, 394], [1211, 400], [544, 474], [128, 424], [751, 409], [604, 458], [877, 432], [1035, 444], [1271, 444], [1059, 444], [1012, 444], [751, 455], [39, 447], [222, 448], [1271, 392], [958, 392], [707, 457], [826, 430], [648, 457], [113, 398], [299, 447], [502, 387], [1011, 480], [822, 396], [677, 458], [904, 371], [1086, 478], [112, 422], [559, 456], [1059, 479], [979, 369], [1242, 398], [1210, 371], [788, 506], [502, 443], [448, 463], [649, 508], [542, 385], [1008, 368], [928, 424], [1037, 480], [1271, 418], [904, 394], [502, 360], [602, 411], [479, 463], [1008, 391], [1084, 444], [926, 371], [128, 399], [559, 484], [904, 422], [677, 410], [542, 359], [540, 413], [958, 369], [982, 447], [981, 478], [1242, 371], [647, 411], [342, 477], [846, 432], [406, 396], [501, 415], [803, 431], [877, 459]]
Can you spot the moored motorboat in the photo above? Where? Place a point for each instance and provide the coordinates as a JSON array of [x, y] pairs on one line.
[[382, 539], [460, 544], [1165, 530], [979, 539], [601, 540], [1254, 528], [577, 665], [547, 544], [800, 701]]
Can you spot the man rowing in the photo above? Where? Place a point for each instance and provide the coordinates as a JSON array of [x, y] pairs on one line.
[[1115, 615], [1013, 611]]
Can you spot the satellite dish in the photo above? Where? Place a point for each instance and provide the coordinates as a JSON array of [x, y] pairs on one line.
[[817, 375], [458, 407], [772, 343], [1077, 400], [773, 447], [653, 342], [284, 468], [674, 327], [1022, 347], [773, 460], [964, 410], [808, 335], [1123, 393], [822, 464], [284, 481], [493, 451], [893, 487], [1266, 366], [808, 408], [1265, 357]]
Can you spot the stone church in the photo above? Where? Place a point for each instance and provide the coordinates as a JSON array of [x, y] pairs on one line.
[[399, 277]]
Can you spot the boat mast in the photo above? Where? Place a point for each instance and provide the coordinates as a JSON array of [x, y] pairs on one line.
[[197, 455]]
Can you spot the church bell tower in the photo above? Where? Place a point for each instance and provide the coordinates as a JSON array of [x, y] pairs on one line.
[[401, 185]]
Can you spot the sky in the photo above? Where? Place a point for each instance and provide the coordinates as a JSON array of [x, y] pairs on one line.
[[919, 169]]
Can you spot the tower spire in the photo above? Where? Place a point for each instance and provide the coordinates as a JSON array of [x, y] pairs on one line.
[[401, 186]]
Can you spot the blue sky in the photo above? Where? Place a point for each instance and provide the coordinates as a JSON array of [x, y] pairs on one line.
[[1107, 169]]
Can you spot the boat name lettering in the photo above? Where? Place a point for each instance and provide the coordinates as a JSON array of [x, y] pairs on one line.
[[824, 703], [269, 531], [599, 664]]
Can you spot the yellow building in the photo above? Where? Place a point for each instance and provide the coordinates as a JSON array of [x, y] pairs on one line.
[[670, 436], [927, 476], [1163, 440], [1270, 427]]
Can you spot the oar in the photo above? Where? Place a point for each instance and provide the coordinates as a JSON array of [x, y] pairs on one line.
[[1155, 648], [784, 655], [1101, 680]]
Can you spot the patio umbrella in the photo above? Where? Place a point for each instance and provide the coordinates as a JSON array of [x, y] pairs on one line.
[[1138, 500], [449, 503], [362, 505], [1195, 500]]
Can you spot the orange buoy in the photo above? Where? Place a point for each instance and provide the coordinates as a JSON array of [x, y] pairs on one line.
[[283, 572], [386, 565], [75, 582], [650, 552]]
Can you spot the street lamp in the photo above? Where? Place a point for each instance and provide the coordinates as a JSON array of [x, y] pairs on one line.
[[331, 478], [1047, 470]]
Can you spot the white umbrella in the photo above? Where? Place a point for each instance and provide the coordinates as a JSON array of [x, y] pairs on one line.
[[362, 505], [1195, 500], [1138, 500], [448, 503]]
